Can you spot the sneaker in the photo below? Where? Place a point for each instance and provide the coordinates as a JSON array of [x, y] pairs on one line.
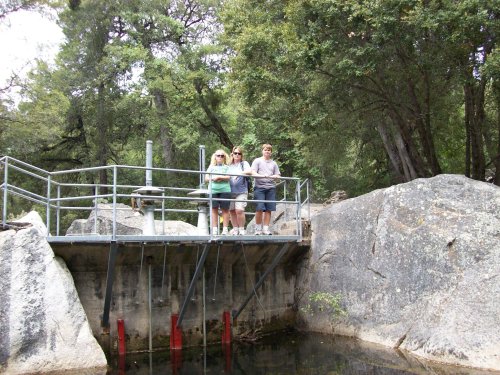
[[258, 232], [234, 232], [266, 233], [225, 232], [242, 232], [215, 231]]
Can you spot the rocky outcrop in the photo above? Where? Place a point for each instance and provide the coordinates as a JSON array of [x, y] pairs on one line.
[[416, 266], [43, 326], [128, 222]]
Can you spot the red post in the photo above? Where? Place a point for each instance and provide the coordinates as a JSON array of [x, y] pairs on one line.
[[176, 361], [122, 365], [226, 327], [121, 337], [175, 333], [226, 348]]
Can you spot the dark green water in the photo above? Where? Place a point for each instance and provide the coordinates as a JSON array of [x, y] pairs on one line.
[[286, 353]]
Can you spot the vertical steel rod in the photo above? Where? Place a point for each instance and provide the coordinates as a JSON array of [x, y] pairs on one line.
[[48, 203], [204, 310], [299, 210], [149, 163], [5, 191], [163, 213], [96, 203], [58, 209], [150, 305], [201, 163], [115, 181]]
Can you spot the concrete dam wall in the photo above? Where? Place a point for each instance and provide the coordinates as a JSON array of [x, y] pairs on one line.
[[231, 271]]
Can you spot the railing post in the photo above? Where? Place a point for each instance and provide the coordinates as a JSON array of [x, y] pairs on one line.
[[5, 191], [308, 200], [49, 180], [201, 164], [163, 213], [210, 212], [115, 180], [58, 209], [96, 203], [299, 209]]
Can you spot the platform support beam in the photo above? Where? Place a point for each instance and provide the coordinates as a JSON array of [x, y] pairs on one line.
[[257, 285], [109, 284], [199, 267]]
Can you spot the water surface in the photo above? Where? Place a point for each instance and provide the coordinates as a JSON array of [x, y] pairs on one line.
[[285, 354]]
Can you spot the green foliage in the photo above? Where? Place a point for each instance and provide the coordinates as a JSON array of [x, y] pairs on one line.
[[355, 95], [325, 302]]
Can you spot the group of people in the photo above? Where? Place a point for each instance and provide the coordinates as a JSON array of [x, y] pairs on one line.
[[232, 183]]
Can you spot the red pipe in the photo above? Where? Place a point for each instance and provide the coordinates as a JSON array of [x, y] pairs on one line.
[[175, 333], [121, 337], [226, 327]]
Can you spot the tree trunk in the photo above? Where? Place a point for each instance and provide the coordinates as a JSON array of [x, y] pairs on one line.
[[474, 115], [215, 125], [166, 139], [406, 147], [496, 180], [423, 124], [391, 151]]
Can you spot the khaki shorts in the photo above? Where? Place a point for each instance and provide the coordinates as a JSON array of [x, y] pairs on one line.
[[240, 206]]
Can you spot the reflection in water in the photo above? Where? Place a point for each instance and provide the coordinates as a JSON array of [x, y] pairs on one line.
[[286, 353]]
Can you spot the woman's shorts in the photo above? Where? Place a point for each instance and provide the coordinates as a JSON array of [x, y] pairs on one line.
[[261, 194], [221, 204], [240, 206]]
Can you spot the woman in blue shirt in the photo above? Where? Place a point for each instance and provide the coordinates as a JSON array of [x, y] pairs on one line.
[[239, 189]]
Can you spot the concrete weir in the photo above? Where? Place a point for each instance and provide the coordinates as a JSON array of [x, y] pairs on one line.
[[151, 283]]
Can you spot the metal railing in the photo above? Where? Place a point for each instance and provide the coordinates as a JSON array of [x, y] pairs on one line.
[[64, 194]]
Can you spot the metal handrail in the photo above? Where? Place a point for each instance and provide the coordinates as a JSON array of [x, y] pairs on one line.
[[53, 203]]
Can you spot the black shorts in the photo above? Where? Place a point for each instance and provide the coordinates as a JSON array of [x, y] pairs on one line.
[[221, 204]]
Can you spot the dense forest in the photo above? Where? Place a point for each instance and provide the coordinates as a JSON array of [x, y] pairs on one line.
[[353, 94]]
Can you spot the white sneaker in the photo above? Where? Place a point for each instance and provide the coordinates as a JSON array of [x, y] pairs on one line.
[[242, 231], [258, 232], [225, 232], [215, 231], [234, 232], [266, 233]]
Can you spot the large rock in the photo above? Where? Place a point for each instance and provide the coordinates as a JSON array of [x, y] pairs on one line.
[[43, 326], [128, 222], [417, 267]]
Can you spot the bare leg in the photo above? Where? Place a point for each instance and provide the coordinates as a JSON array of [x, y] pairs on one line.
[[240, 218], [267, 218], [234, 218], [215, 217], [258, 217], [225, 218]]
